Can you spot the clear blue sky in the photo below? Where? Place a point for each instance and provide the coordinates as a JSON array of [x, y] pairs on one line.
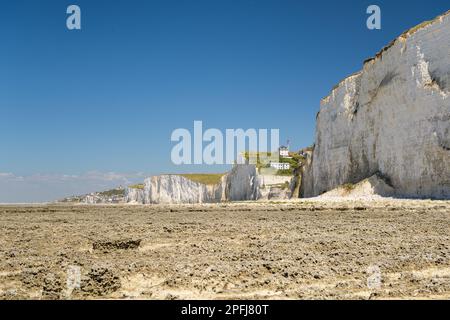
[[107, 98]]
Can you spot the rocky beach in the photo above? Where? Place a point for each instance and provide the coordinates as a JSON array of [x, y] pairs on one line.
[[306, 249]]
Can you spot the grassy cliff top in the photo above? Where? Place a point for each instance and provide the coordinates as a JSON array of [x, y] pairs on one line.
[[136, 186], [204, 178]]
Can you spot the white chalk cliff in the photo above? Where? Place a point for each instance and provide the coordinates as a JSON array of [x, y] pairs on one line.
[[391, 118], [134, 195], [168, 189], [240, 184]]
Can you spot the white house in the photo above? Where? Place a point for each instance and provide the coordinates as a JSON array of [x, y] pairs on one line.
[[284, 152], [280, 166]]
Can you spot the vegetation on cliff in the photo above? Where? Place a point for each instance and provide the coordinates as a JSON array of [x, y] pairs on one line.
[[204, 178]]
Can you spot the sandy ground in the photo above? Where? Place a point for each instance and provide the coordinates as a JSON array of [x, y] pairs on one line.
[[280, 250]]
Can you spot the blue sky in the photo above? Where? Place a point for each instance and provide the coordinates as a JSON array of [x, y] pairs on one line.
[[106, 98]]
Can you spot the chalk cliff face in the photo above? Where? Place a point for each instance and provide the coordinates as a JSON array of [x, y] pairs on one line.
[[134, 195], [168, 189], [240, 184], [392, 118]]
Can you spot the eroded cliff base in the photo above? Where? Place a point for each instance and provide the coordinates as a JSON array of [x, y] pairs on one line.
[[373, 188]]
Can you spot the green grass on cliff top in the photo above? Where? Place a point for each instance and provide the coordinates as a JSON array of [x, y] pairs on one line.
[[137, 186], [204, 178]]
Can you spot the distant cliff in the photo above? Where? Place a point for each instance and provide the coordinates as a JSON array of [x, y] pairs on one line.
[[391, 119], [240, 184], [175, 189]]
